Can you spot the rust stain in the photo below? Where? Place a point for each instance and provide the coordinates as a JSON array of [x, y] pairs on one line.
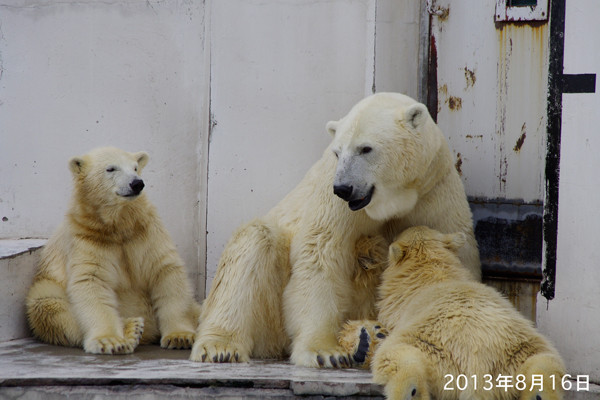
[[521, 139], [442, 92], [458, 164], [443, 13], [503, 169], [470, 77], [522, 57], [474, 136], [443, 89], [454, 103]]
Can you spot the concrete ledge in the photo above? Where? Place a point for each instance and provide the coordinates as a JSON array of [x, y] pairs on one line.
[[141, 392], [10, 248], [27, 366], [18, 263]]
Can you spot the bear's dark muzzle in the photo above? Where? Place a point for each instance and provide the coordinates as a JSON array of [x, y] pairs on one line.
[[343, 191], [136, 186]]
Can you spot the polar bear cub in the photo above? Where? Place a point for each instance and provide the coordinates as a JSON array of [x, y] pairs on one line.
[[444, 325], [110, 276]]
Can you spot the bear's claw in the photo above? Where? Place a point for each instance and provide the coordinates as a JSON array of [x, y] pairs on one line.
[[177, 340], [217, 352], [323, 359], [134, 328]]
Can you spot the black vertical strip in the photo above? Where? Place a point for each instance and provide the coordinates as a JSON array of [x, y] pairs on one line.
[[432, 89], [554, 110]]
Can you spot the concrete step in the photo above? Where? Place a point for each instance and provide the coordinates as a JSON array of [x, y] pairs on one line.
[[18, 263], [29, 369], [32, 370]]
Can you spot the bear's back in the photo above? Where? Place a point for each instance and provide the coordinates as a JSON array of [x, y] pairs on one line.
[[472, 327]]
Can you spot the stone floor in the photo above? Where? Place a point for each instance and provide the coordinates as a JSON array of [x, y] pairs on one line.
[[32, 370]]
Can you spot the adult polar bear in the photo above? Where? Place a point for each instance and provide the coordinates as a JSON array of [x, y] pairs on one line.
[[291, 277]]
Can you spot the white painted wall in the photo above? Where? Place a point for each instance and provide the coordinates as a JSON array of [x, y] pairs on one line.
[[572, 318], [79, 74], [135, 74], [279, 71]]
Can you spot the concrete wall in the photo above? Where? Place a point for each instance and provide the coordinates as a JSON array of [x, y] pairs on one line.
[[142, 74], [75, 75], [279, 71]]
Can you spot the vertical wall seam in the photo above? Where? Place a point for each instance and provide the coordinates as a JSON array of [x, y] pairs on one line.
[[424, 31], [374, 85], [208, 118]]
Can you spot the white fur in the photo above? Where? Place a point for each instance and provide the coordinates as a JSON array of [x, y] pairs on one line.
[[110, 277], [287, 281]]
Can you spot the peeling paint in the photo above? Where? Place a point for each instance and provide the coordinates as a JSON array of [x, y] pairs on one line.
[[454, 103], [440, 12], [458, 164], [443, 89], [521, 139], [480, 137], [470, 77], [443, 13]]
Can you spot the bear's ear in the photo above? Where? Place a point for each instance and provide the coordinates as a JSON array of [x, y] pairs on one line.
[[76, 165], [396, 252], [416, 115], [454, 241], [142, 159], [332, 127]]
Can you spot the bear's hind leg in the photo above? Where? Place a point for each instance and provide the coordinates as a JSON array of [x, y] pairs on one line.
[[242, 315], [402, 369], [50, 316], [543, 374]]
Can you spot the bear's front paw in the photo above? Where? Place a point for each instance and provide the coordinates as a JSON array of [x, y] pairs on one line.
[[335, 357], [360, 339], [218, 351], [133, 331], [177, 340], [109, 345]]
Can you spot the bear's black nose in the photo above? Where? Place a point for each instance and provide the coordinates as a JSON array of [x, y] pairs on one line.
[[136, 186], [343, 191]]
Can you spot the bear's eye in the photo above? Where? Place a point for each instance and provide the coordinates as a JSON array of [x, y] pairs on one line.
[[365, 150], [336, 154], [111, 169], [135, 168]]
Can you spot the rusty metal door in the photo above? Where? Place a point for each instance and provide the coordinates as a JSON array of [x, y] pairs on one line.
[[486, 84]]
